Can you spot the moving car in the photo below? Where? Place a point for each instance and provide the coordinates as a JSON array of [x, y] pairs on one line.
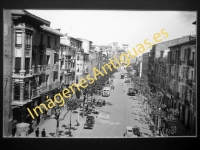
[[131, 92], [106, 91]]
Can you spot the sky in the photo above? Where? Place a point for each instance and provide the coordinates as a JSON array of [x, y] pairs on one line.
[[125, 27]]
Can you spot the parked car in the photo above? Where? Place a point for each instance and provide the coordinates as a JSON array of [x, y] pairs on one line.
[[101, 102], [106, 91], [89, 122], [131, 92], [129, 132], [122, 76]]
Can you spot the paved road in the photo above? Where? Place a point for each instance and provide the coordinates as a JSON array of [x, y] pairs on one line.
[[113, 119], [110, 123]]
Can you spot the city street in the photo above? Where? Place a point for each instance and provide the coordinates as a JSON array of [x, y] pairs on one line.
[[111, 121]]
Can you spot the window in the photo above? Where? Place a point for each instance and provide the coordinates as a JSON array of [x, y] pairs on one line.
[[17, 64], [191, 75], [55, 76], [48, 59], [55, 58], [40, 80], [28, 40], [49, 42], [18, 40], [47, 78], [55, 41], [41, 39], [27, 63], [41, 59], [192, 55]]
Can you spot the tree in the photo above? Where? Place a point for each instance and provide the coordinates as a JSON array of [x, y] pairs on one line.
[[154, 100]]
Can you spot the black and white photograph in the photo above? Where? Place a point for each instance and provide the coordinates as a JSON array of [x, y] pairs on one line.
[[78, 73]]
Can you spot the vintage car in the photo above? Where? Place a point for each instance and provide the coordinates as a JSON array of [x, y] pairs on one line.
[[100, 102], [131, 92], [129, 132], [106, 91], [89, 122]]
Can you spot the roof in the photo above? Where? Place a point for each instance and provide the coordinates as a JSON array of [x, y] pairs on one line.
[[129, 128], [83, 39], [184, 43], [46, 28], [24, 12]]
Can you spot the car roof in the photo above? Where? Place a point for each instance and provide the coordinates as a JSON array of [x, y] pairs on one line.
[[129, 128], [90, 116], [106, 88]]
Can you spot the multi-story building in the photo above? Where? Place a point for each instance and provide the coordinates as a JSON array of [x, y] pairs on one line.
[[182, 65], [155, 53], [87, 46], [76, 45], [69, 60], [145, 61], [35, 71], [168, 74]]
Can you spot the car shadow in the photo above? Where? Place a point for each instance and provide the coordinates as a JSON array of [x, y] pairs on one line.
[[52, 134]]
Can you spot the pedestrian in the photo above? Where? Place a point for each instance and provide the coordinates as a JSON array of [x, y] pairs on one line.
[[43, 133], [37, 132], [124, 89]]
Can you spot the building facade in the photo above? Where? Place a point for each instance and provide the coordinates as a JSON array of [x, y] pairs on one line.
[[35, 67]]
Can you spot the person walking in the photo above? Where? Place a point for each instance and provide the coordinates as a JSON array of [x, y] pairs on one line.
[[37, 132], [43, 133], [124, 89]]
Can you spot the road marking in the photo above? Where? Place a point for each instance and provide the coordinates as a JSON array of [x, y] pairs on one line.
[[80, 131]]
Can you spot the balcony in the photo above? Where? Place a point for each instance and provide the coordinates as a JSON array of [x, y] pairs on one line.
[[43, 69], [68, 53], [36, 70], [43, 88], [35, 93], [55, 67], [190, 63], [189, 82], [27, 52], [56, 48]]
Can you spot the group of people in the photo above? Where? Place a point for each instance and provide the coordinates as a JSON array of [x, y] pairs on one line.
[[43, 133]]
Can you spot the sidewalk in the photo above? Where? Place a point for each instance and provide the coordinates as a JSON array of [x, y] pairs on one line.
[[142, 110], [181, 129], [50, 126]]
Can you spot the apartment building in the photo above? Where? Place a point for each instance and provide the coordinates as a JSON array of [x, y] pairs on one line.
[[171, 72], [69, 60], [145, 61], [87, 46], [35, 71], [182, 67]]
